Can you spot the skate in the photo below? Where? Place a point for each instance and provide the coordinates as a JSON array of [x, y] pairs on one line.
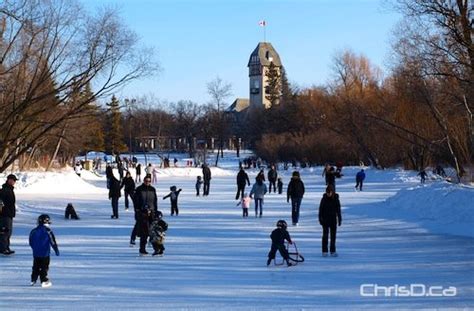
[[145, 253], [46, 284], [32, 283], [325, 254], [334, 254]]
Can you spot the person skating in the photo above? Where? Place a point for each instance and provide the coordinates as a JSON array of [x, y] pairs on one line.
[[261, 175], [325, 171], [272, 178], [149, 170], [206, 174], [422, 175], [295, 192], [258, 192], [157, 233], [280, 185], [146, 203], [138, 173], [7, 213], [329, 218], [70, 212], [242, 180], [198, 185], [331, 177], [114, 196], [173, 195], [360, 176], [278, 236], [41, 240], [245, 203], [78, 169], [129, 188], [109, 173]]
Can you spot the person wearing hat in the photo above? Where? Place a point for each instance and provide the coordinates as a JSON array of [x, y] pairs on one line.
[[329, 218], [7, 213], [295, 191]]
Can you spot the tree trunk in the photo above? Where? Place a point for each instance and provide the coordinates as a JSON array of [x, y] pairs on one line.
[[56, 150]]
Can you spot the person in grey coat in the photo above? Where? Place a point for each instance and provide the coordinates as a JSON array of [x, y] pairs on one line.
[[258, 191]]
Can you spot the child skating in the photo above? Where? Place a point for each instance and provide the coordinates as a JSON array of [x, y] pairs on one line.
[[278, 236], [280, 185], [157, 233], [41, 240], [173, 195], [245, 203], [198, 185]]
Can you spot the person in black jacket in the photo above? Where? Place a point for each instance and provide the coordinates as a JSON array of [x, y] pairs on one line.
[[114, 195], [108, 174], [7, 200], [329, 219], [129, 189], [295, 191], [278, 236], [272, 178], [138, 173], [242, 180], [206, 174], [145, 204], [173, 195]]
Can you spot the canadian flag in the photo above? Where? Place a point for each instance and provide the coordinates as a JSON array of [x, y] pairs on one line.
[[262, 23]]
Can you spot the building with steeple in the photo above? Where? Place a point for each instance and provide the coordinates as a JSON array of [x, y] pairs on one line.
[[258, 65], [259, 62]]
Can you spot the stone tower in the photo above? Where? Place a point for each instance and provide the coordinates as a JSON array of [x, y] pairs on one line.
[[259, 62]]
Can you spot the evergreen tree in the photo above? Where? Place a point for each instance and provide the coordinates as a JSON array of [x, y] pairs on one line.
[[95, 137], [287, 94], [273, 88], [114, 141]]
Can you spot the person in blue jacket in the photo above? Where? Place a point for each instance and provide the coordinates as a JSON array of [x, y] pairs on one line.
[[360, 176], [41, 240]]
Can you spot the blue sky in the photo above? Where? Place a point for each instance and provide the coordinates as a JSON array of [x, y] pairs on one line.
[[196, 41]]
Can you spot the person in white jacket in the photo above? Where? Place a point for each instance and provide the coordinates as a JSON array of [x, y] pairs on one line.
[[78, 169]]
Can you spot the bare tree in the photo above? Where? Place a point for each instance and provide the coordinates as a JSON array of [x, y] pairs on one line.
[[50, 49], [437, 37], [219, 91]]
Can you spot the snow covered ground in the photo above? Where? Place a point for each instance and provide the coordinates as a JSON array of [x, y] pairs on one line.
[[395, 232]]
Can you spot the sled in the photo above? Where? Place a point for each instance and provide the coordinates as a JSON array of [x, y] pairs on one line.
[[295, 256]]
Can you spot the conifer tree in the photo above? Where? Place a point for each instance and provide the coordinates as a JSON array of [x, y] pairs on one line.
[[114, 141], [95, 139], [273, 88]]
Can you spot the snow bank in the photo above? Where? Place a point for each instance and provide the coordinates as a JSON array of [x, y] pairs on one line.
[[88, 175], [54, 183], [440, 207]]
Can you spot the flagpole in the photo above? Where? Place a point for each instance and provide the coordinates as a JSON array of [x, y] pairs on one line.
[[264, 33]]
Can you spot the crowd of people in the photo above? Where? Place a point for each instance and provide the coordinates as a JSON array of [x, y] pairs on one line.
[[150, 226]]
